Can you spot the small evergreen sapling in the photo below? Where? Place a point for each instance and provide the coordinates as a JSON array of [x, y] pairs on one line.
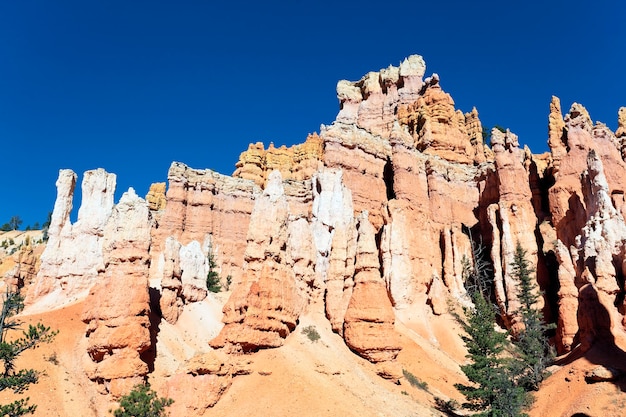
[[213, 283]]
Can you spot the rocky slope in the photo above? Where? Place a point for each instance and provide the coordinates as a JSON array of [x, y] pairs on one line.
[[361, 231]]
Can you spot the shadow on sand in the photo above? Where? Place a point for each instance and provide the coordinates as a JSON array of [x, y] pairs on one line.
[[597, 342]]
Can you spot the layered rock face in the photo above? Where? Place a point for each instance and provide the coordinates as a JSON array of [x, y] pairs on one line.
[[264, 306], [513, 219], [369, 319], [298, 162], [118, 306], [73, 257], [587, 212], [370, 221], [201, 205]]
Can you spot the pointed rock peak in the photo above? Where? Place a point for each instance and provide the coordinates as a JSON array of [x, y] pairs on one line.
[[501, 141], [578, 117], [432, 81], [413, 65], [556, 127], [390, 75], [130, 195], [621, 123], [371, 84], [555, 105], [596, 172], [274, 188]]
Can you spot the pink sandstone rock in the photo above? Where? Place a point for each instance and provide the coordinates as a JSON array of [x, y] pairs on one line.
[[363, 158], [516, 219], [171, 301], [369, 321], [202, 203], [435, 125], [567, 323], [201, 381], [118, 306], [263, 308]]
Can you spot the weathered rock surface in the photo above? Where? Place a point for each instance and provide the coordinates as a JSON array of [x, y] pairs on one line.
[[156, 196], [73, 257], [513, 219], [298, 162], [369, 320], [586, 205], [202, 203], [264, 305], [118, 306], [334, 234], [437, 128], [202, 381], [287, 228]]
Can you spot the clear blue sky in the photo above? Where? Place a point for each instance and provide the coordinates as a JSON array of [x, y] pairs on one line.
[[131, 86]]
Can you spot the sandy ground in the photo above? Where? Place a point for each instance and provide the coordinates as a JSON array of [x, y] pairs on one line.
[[566, 392], [305, 378]]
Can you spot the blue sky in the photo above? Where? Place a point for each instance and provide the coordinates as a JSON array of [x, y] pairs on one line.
[[131, 86]]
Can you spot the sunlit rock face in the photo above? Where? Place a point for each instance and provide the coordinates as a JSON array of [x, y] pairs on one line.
[[117, 308], [73, 257], [369, 222], [265, 305], [369, 320]]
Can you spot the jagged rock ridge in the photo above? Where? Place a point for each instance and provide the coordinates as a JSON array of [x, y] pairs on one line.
[[368, 222]]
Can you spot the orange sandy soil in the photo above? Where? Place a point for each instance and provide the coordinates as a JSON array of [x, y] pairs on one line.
[[566, 392], [322, 378]]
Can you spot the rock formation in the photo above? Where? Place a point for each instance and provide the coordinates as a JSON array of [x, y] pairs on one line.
[[513, 219], [156, 196], [202, 203], [369, 320], [298, 162], [118, 306], [291, 230], [202, 382], [264, 306], [73, 257], [335, 235]]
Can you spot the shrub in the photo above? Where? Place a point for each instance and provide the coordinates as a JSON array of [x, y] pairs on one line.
[[311, 333], [142, 402], [448, 407], [415, 381]]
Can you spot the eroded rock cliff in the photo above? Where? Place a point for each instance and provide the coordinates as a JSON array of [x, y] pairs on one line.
[[366, 224]]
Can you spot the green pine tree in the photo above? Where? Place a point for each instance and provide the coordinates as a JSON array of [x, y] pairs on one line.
[[491, 371], [213, 283], [11, 378], [532, 341], [493, 391]]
